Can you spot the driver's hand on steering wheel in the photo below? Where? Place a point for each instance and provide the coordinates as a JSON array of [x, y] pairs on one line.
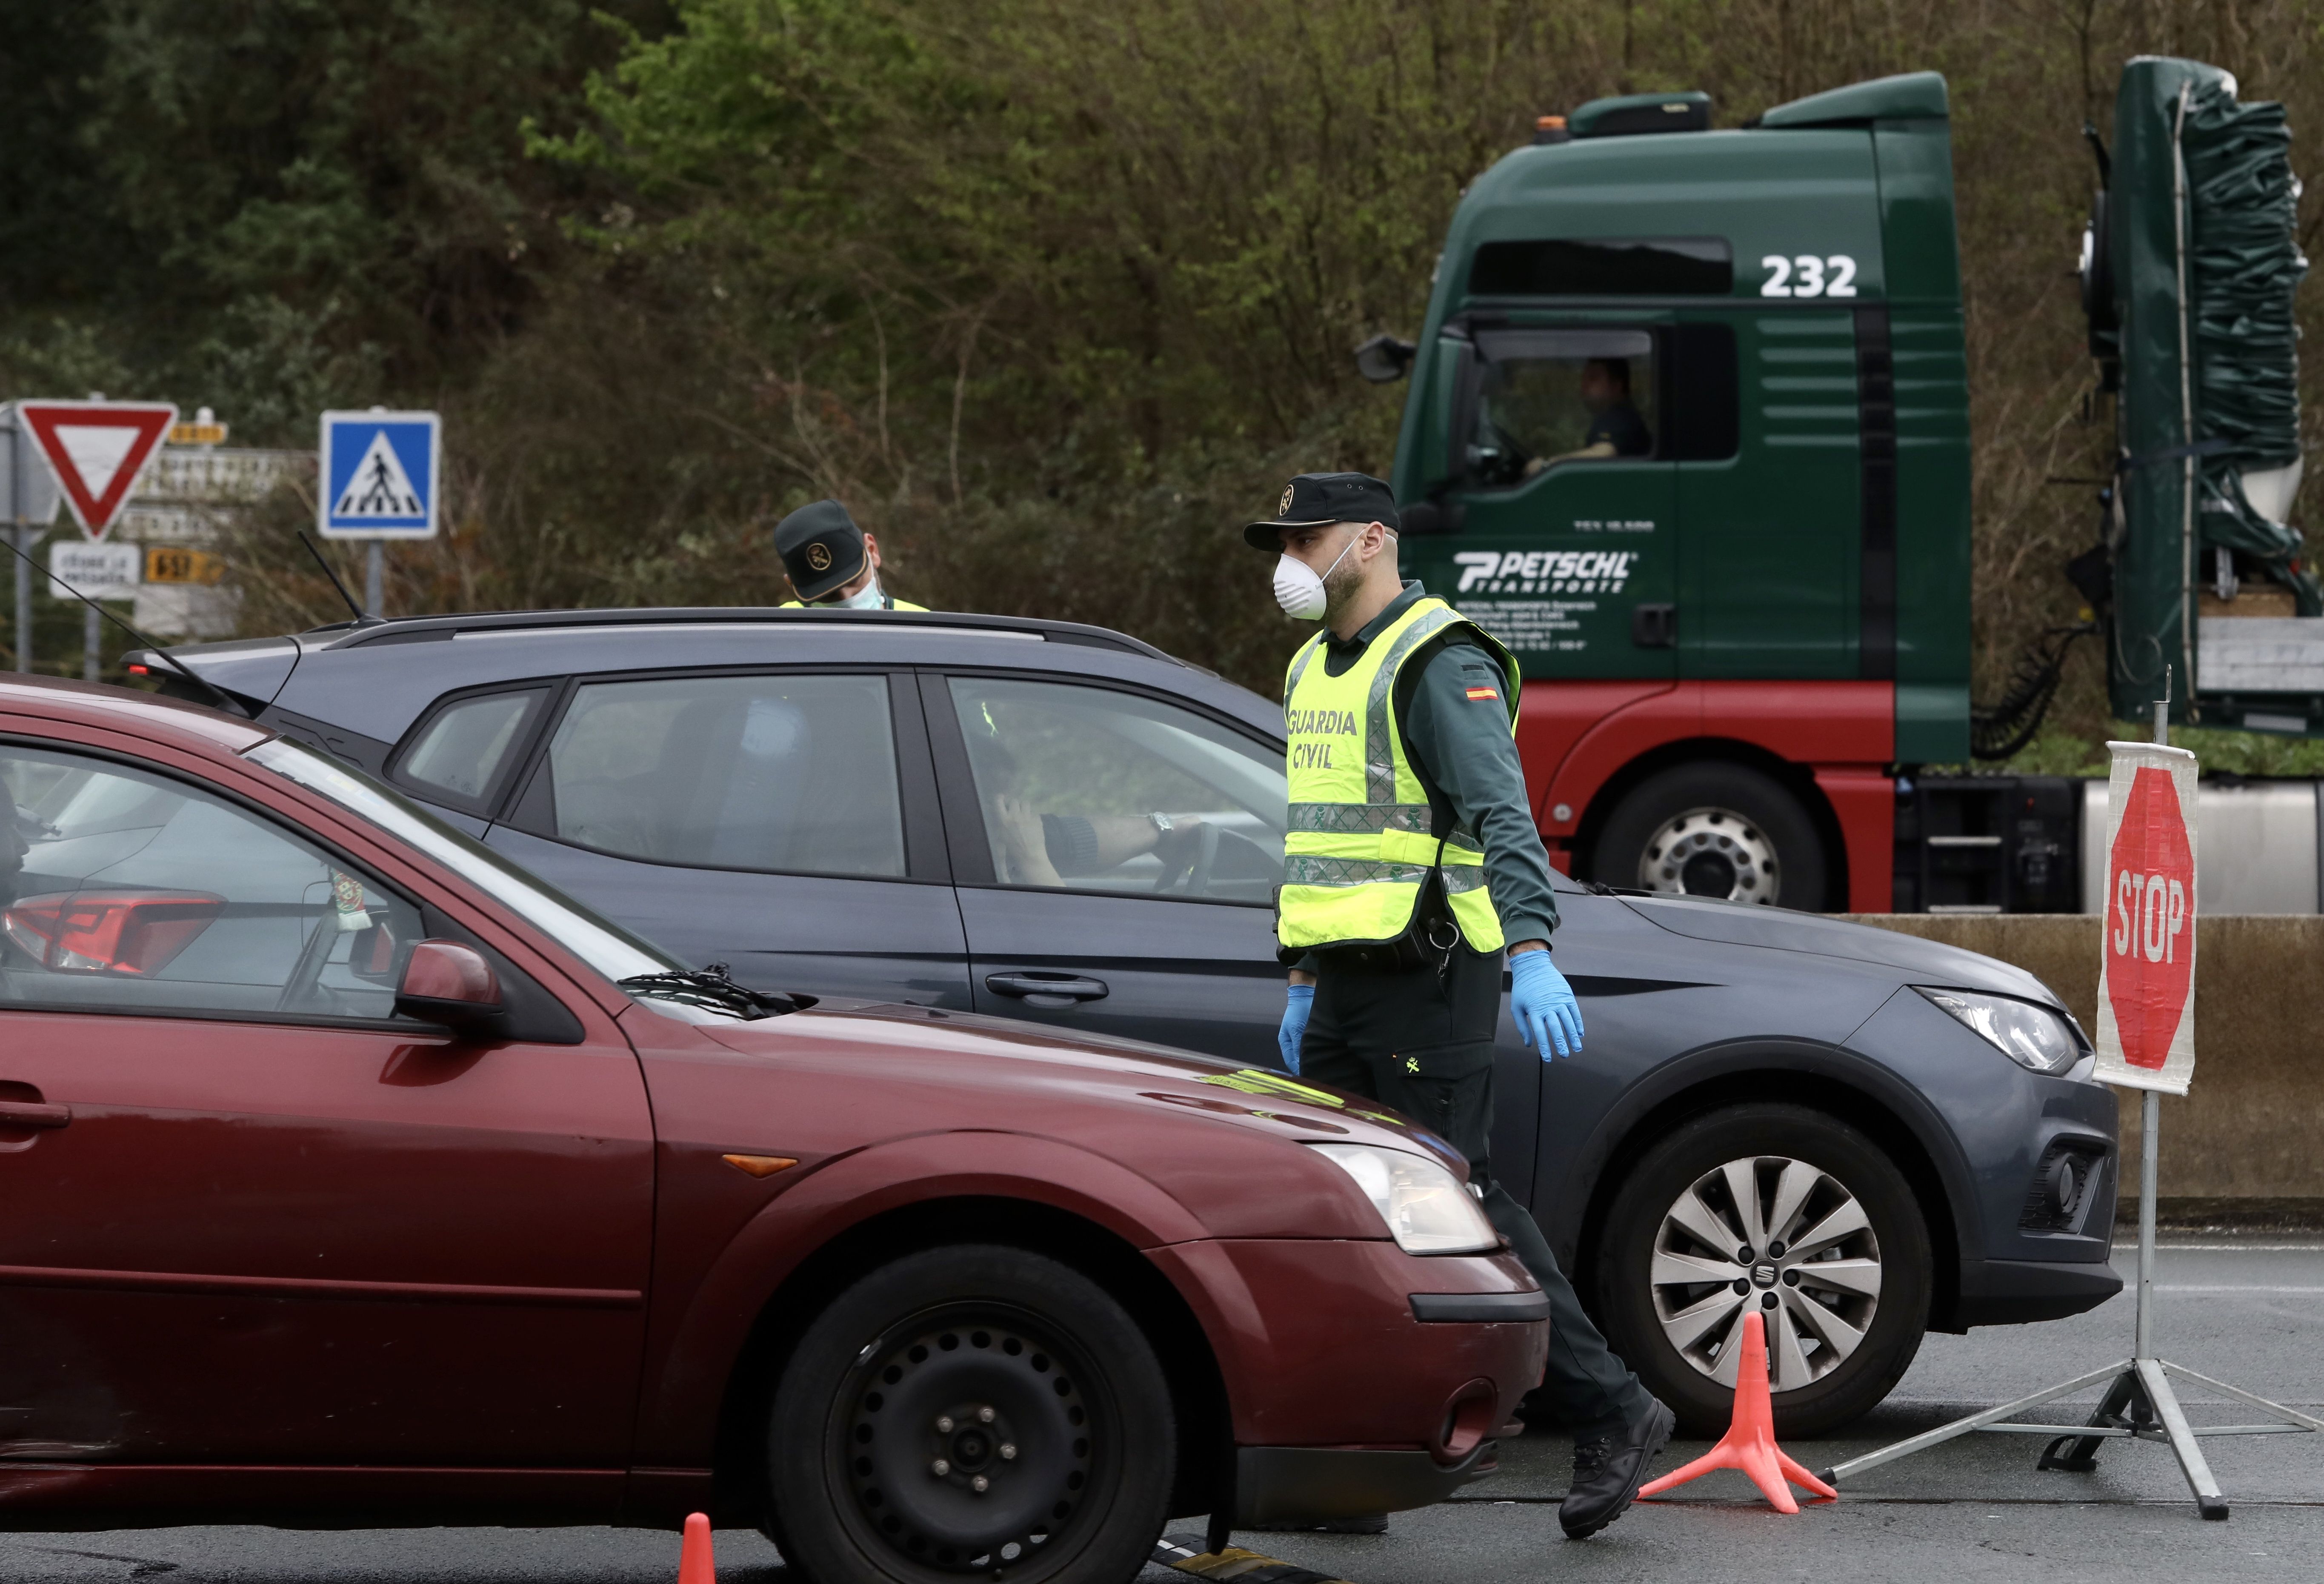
[[1178, 846]]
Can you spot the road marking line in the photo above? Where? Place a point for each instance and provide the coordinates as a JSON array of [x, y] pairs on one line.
[[2177, 1287]]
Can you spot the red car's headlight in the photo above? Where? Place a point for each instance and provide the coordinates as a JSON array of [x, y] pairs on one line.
[[1426, 1208]]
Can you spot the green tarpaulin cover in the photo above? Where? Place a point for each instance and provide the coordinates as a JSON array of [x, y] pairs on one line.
[[2237, 225]]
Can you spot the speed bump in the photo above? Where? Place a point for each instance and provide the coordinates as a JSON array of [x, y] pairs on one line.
[[1185, 1553]]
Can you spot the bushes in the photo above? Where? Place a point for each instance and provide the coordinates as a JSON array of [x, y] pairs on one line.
[[1053, 294]]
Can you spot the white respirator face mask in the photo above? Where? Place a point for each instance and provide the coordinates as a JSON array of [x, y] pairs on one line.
[[1299, 587], [867, 598]]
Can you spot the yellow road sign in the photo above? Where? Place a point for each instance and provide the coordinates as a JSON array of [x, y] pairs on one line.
[[172, 564]]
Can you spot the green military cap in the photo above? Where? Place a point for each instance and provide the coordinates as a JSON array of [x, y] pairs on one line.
[[821, 546]]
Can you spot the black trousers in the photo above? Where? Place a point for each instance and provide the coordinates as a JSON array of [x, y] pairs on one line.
[[1422, 1043]]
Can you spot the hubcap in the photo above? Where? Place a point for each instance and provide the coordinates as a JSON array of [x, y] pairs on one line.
[[1712, 852], [1774, 1235], [968, 1440]]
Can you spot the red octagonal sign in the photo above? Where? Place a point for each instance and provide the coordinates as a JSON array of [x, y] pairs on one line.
[[2150, 936]]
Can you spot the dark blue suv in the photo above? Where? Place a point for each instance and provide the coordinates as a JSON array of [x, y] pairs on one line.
[[1865, 1133]]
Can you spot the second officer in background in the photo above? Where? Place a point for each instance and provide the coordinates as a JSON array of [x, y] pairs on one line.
[[1411, 860], [831, 562]]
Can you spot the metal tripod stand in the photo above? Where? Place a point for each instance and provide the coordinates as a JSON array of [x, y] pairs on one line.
[[2139, 1404]]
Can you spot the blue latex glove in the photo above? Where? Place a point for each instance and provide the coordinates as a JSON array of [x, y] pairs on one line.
[[1543, 1003], [1297, 1006]]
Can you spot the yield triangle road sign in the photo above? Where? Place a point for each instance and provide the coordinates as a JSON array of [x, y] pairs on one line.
[[95, 450]]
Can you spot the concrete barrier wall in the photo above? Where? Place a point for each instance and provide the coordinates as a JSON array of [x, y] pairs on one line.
[[2251, 1126]]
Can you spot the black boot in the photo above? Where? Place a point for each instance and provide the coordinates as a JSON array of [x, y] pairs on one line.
[[1608, 1470]]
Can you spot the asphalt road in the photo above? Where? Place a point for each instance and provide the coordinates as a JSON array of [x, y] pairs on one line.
[[2251, 1313]]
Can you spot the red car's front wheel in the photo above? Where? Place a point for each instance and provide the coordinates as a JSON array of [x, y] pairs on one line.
[[971, 1409]]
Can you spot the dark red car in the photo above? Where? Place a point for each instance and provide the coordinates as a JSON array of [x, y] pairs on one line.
[[352, 1175]]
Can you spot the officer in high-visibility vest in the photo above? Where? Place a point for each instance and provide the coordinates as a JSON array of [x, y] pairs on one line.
[[1411, 862], [831, 562]]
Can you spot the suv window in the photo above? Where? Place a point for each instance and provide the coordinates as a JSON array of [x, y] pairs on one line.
[[1094, 789], [462, 753], [792, 773], [125, 891]]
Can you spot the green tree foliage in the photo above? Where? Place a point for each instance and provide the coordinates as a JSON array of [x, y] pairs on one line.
[[1053, 294], [271, 206]]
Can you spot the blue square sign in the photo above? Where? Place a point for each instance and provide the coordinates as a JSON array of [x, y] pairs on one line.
[[380, 473]]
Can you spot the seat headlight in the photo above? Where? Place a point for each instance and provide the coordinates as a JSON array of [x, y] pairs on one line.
[[2037, 1038], [1427, 1210]]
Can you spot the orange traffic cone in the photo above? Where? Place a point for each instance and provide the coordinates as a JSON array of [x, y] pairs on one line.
[[694, 1563], [1749, 1443]]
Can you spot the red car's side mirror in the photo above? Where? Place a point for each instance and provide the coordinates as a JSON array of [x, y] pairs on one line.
[[447, 982]]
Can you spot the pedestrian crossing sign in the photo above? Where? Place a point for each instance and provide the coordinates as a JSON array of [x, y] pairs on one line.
[[380, 473]]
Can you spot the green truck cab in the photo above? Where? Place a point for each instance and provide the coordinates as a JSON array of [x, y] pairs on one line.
[[1688, 430]]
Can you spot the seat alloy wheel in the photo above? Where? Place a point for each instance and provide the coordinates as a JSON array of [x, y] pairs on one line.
[[971, 1409], [1777, 1210], [1774, 1234]]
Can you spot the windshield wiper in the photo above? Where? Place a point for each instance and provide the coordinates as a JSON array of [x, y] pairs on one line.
[[711, 986]]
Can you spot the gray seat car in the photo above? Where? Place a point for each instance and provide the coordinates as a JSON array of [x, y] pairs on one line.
[[1863, 1134]]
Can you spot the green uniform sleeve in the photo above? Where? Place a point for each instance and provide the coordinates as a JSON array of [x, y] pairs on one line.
[[1463, 748]]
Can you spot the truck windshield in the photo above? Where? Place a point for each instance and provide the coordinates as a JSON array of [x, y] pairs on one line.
[[604, 946]]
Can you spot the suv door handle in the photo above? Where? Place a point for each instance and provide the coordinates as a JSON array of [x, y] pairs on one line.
[[22, 1113], [1047, 989]]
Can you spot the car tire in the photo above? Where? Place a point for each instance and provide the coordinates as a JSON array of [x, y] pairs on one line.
[[878, 1434], [1698, 827], [1839, 1340]]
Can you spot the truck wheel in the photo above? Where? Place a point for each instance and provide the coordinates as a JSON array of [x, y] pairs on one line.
[[1712, 829], [971, 1411], [1785, 1211]]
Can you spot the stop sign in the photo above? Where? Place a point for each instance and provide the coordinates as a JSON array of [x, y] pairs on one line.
[[2148, 951]]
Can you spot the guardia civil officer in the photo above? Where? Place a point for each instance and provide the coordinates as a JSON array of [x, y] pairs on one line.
[[831, 562], [1411, 860]]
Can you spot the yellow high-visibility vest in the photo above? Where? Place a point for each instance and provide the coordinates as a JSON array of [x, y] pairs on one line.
[[1358, 847], [893, 603]]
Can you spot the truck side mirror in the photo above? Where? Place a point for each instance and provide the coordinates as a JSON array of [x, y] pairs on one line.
[[1384, 359], [447, 982]]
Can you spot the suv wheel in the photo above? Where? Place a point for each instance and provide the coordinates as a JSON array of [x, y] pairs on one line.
[[1713, 829], [1785, 1211], [971, 1411]]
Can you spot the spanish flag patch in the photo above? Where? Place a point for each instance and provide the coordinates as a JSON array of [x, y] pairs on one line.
[[1478, 693]]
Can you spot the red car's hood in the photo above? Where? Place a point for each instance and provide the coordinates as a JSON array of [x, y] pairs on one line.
[[1033, 1070]]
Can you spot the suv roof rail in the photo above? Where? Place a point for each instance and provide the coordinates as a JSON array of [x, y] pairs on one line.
[[425, 629]]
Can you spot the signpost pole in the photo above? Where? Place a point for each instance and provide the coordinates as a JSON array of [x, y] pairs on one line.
[[2138, 1403], [26, 538], [2150, 1124], [374, 575]]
